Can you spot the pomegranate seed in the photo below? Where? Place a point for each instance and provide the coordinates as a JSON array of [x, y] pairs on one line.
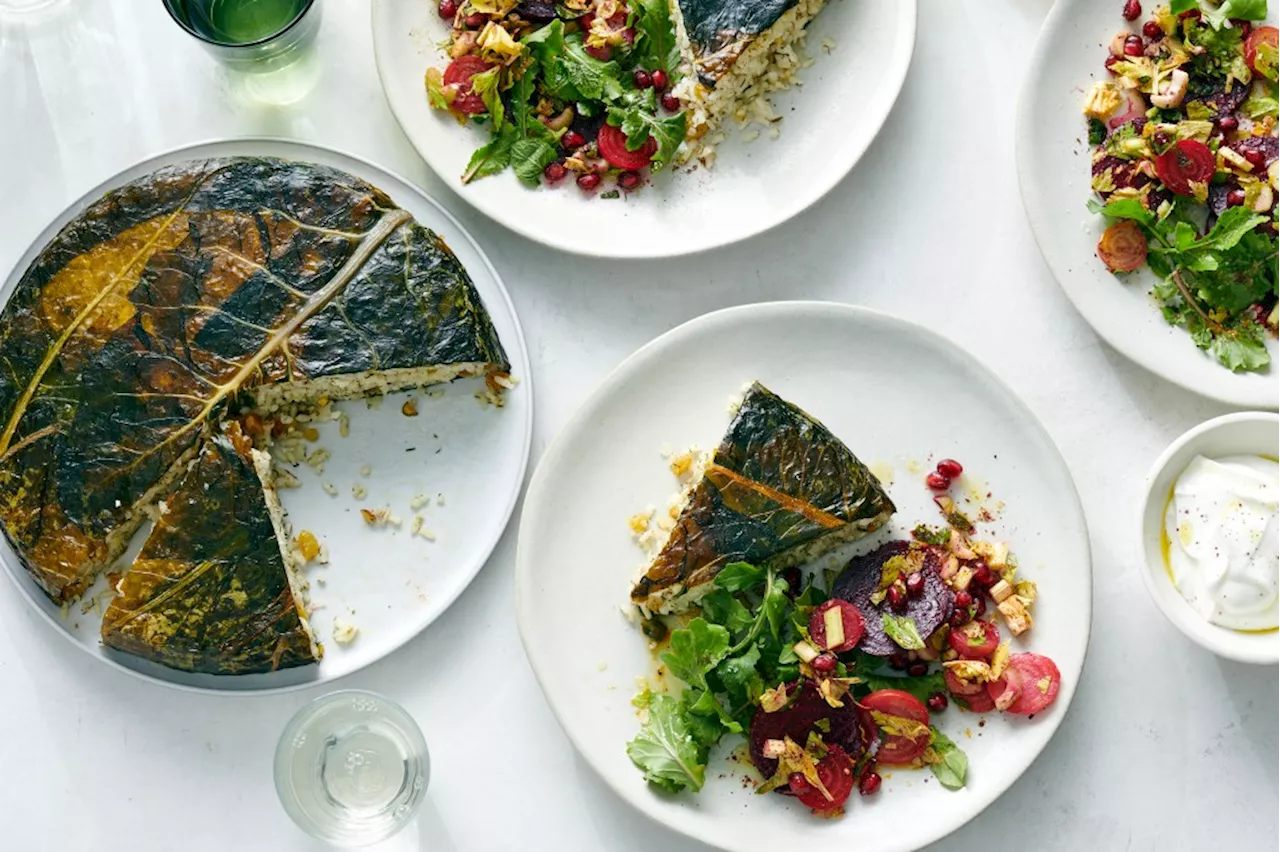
[[670, 102], [1193, 14], [1110, 63], [1245, 27], [659, 79], [643, 79], [937, 702], [448, 8], [604, 53], [1256, 158], [1152, 30], [572, 139], [983, 575], [1161, 140], [792, 574], [937, 481], [824, 663], [963, 599], [950, 468], [588, 181], [1228, 123], [959, 617], [868, 784], [915, 585], [1133, 46], [918, 669], [554, 172], [475, 20], [897, 598], [1132, 10], [629, 180], [979, 607], [1235, 198], [898, 661]]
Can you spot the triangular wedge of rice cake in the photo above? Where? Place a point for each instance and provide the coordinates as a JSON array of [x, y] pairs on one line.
[[780, 490], [211, 589]]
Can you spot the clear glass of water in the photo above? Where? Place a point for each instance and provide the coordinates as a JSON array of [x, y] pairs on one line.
[[268, 44], [351, 768]]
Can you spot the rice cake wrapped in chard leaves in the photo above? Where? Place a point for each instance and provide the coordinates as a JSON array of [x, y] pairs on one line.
[[210, 591], [145, 316], [780, 490]]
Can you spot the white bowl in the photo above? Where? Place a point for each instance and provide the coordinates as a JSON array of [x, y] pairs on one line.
[[1246, 433]]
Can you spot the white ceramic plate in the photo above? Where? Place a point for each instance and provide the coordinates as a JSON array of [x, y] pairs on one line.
[[899, 395], [389, 584], [1053, 169], [754, 186]]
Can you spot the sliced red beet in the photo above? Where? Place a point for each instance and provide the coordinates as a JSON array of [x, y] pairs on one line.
[[861, 578], [851, 728], [613, 147], [898, 750], [979, 703], [835, 771], [850, 619], [1005, 690], [960, 688], [459, 73], [1040, 682]]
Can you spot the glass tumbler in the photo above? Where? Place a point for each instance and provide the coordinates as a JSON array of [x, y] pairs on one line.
[[351, 768], [269, 44]]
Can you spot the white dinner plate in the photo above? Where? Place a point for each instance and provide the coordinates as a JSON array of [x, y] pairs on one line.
[[901, 397], [1053, 169], [386, 582], [829, 122]]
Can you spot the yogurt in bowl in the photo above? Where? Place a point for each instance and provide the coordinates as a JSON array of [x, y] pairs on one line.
[[1209, 535]]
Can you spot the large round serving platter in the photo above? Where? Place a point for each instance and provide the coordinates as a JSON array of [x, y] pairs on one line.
[[861, 53], [1053, 170], [469, 458], [899, 395]]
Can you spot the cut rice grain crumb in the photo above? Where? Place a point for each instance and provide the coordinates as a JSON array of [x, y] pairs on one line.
[[344, 425], [344, 632], [358, 491], [419, 528], [418, 501], [329, 488]]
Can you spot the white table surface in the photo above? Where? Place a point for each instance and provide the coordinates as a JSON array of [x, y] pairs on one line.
[[1166, 747]]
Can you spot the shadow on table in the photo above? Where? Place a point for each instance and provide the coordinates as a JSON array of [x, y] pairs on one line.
[[1252, 691], [630, 829]]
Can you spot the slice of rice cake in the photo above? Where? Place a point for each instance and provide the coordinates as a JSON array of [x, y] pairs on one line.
[[733, 52], [212, 590], [780, 490]]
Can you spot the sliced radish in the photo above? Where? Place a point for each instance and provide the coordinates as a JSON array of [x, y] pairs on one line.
[[979, 703], [977, 640], [1040, 682], [1133, 106], [1006, 689], [960, 687]]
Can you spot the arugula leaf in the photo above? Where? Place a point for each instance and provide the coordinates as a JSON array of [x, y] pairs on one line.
[[740, 677], [656, 37], [695, 651], [1231, 226], [902, 630], [740, 577], [1248, 10], [529, 157], [922, 687], [1239, 350], [588, 77], [721, 607], [665, 749], [1097, 131], [1177, 7], [1123, 208], [950, 765], [493, 156], [707, 730], [940, 536]]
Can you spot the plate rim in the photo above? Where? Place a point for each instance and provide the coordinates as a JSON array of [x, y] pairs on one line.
[[1233, 389], [908, 16], [635, 361], [22, 582]]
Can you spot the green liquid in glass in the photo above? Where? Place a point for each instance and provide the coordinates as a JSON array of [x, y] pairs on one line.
[[238, 21]]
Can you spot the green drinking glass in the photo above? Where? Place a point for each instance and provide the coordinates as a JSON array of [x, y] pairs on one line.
[[269, 42]]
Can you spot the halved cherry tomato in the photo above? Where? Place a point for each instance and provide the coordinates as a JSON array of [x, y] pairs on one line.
[[852, 621], [976, 640], [613, 147], [459, 73], [1187, 161], [896, 749], [1123, 246], [960, 688], [835, 771], [1040, 682], [1256, 39]]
